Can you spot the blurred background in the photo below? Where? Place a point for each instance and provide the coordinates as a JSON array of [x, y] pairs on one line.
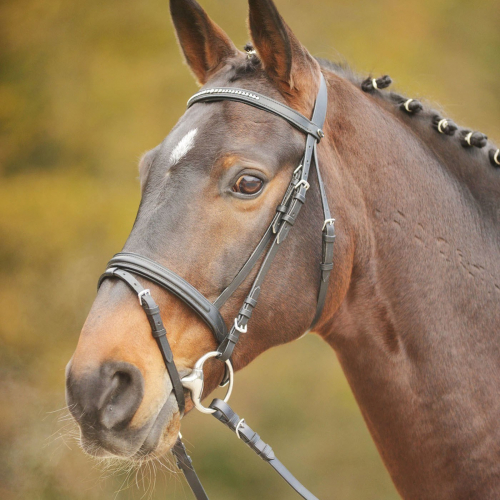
[[85, 88]]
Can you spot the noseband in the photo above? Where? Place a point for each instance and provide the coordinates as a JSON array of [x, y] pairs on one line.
[[127, 266]]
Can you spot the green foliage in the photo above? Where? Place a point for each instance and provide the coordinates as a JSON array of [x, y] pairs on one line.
[[85, 88]]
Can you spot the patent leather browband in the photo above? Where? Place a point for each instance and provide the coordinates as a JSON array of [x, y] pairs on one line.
[[126, 266]]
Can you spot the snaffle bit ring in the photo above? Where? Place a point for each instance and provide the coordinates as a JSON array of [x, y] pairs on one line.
[[194, 382]]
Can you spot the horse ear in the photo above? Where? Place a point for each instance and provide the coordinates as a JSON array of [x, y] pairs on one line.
[[284, 58], [204, 44]]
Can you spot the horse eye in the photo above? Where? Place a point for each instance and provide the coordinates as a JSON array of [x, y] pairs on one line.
[[248, 184]]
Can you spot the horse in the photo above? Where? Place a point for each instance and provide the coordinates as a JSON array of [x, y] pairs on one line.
[[411, 309]]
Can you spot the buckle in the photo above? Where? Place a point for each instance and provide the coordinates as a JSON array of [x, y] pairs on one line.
[[141, 294], [238, 425], [241, 329], [328, 221], [304, 183]]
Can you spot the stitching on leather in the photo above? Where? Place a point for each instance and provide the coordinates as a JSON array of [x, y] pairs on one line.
[[196, 296]]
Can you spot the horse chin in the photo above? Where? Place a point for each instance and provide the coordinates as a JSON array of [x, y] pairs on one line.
[[162, 437], [150, 442]]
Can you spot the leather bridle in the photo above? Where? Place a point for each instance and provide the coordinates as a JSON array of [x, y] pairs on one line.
[[127, 266]]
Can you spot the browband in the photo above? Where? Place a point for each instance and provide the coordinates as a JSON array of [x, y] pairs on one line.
[[298, 120]]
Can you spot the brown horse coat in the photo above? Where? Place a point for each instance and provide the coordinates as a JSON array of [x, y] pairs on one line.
[[412, 311]]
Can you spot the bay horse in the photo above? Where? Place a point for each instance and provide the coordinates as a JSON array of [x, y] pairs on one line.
[[412, 303]]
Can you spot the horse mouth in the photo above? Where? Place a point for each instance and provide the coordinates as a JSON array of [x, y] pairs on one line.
[[163, 433], [151, 441]]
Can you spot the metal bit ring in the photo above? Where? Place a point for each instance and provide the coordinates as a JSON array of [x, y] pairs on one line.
[[194, 382]]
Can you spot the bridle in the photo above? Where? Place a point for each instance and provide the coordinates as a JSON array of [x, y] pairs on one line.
[[126, 266]]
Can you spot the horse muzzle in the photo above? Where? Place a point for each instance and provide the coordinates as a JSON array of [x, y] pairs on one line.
[[104, 402]]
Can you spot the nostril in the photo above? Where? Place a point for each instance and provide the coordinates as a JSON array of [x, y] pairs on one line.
[[113, 389], [123, 377], [106, 398], [118, 383], [123, 390]]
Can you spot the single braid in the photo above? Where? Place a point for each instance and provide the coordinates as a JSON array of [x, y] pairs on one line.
[[251, 52], [376, 83], [494, 155], [469, 139], [411, 106], [444, 125]]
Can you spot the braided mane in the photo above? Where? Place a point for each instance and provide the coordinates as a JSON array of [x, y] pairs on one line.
[[470, 140], [467, 138], [467, 155]]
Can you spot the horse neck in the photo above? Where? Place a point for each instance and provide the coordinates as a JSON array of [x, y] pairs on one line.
[[416, 329]]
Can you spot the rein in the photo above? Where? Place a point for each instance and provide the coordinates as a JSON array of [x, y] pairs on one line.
[[126, 266]]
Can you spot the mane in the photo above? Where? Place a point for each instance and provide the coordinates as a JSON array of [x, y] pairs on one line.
[[472, 147], [432, 116], [468, 155]]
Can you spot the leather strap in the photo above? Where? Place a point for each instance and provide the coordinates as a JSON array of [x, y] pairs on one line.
[[328, 236], [263, 244], [170, 281], [246, 269], [299, 121], [123, 264], [185, 464], [288, 212], [157, 329], [225, 414]]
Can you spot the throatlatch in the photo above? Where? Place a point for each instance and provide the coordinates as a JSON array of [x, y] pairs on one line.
[[126, 266]]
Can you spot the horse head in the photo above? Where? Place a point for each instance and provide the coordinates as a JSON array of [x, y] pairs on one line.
[[209, 191]]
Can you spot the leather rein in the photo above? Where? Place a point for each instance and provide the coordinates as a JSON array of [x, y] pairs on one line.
[[128, 266]]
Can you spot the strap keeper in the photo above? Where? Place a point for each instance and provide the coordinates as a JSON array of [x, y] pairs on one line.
[[289, 218], [300, 195], [327, 238], [157, 333], [251, 302], [245, 312], [326, 267], [233, 337]]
